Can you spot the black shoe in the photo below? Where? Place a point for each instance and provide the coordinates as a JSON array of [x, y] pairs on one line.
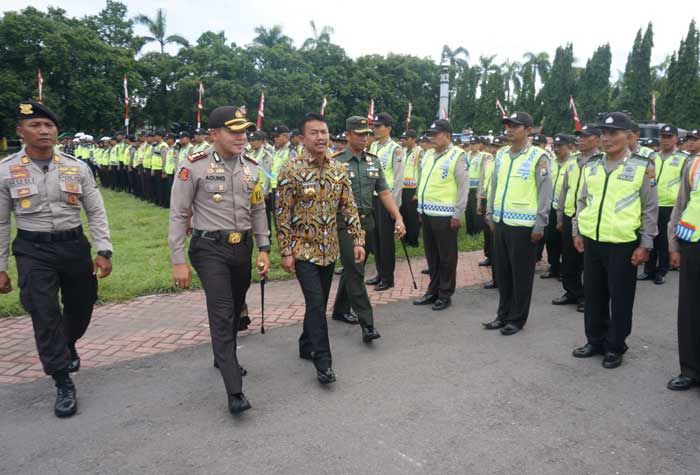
[[510, 329], [489, 285], [383, 285], [612, 360], [681, 383], [441, 304], [494, 325], [645, 276], [425, 300], [369, 334], [549, 275], [66, 400], [373, 281], [659, 279], [338, 271], [485, 263], [243, 370], [581, 307], [325, 376], [238, 403], [74, 364], [425, 272], [565, 300], [350, 318], [586, 351]]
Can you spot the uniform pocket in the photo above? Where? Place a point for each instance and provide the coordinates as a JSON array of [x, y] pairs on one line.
[[26, 198], [71, 193]]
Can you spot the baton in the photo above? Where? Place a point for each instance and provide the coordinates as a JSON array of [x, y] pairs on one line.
[[262, 304], [410, 269]]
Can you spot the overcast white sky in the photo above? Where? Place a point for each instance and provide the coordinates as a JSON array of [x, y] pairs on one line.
[[506, 28]]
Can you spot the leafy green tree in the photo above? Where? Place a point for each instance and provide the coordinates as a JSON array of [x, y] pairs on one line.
[[271, 37], [319, 37], [635, 92], [561, 83], [593, 91]]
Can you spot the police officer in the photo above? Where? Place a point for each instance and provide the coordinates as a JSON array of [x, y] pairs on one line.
[[283, 152], [616, 223], [443, 190], [669, 164], [518, 208], [488, 161], [636, 147], [474, 157], [186, 148], [391, 158], [46, 190], [221, 186], [264, 158], [313, 190], [200, 142], [684, 247], [158, 156], [146, 167], [168, 170], [367, 177], [409, 200]]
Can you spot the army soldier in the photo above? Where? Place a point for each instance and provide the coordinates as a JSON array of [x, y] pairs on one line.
[[367, 177], [409, 200], [616, 223], [391, 157], [221, 186], [264, 158], [669, 165], [572, 260], [312, 190], [684, 246], [46, 190], [442, 198], [518, 209]]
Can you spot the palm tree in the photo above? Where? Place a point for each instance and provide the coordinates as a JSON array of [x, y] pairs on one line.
[[271, 37], [511, 75], [455, 57], [318, 38], [539, 63], [486, 67], [157, 28]]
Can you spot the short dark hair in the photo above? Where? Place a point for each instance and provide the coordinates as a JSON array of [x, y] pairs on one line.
[[311, 117]]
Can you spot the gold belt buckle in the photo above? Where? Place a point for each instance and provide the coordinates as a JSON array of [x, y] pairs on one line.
[[234, 238]]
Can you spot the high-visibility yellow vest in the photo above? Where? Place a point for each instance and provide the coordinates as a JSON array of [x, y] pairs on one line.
[[613, 211], [158, 154], [474, 167], [147, 154], [114, 155], [183, 153], [386, 158], [200, 146], [668, 177], [488, 166], [124, 153], [645, 152], [573, 177], [515, 198], [437, 190], [690, 217], [170, 159], [280, 157], [558, 173], [411, 167]]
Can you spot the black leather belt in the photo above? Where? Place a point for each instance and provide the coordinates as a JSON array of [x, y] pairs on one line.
[[228, 237], [54, 236]]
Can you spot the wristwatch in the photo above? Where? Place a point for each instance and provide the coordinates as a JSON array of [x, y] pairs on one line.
[[105, 254]]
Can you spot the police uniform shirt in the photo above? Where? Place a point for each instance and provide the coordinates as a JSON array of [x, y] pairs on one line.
[[49, 201], [647, 194], [681, 203], [366, 176], [224, 194], [397, 164], [581, 161]]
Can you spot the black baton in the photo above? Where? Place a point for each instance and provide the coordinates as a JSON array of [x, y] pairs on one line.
[[408, 259], [262, 304]]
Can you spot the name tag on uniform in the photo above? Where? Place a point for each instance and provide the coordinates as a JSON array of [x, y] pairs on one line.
[[627, 173]]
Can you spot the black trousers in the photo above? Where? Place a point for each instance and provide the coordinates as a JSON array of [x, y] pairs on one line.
[[571, 263], [658, 258], [440, 243], [553, 242], [473, 222], [156, 187], [315, 282], [514, 267], [114, 177], [610, 282], [104, 176], [167, 189], [385, 247], [224, 271], [488, 234], [146, 184], [689, 310], [44, 269], [352, 291], [138, 182], [409, 213]]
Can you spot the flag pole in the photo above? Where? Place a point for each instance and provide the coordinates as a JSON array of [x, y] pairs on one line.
[[126, 104], [40, 83], [199, 105], [261, 110]]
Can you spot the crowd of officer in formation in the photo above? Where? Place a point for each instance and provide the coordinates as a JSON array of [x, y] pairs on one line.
[[601, 201]]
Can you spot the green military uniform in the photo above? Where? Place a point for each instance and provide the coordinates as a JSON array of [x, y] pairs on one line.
[[367, 177]]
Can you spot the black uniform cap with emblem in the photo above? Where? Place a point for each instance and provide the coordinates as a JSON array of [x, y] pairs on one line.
[[588, 130], [668, 129], [440, 125], [280, 129], [616, 121], [35, 110], [383, 118], [518, 118], [231, 118], [409, 133], [693, 134], [539, 139], [561, 139], [357, 124]]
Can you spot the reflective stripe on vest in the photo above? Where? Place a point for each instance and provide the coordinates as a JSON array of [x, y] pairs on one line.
[[515, 199], [437, 194], [147, 154], [613, 211], [280, 157], [573, 177], [474, 166], [489, 165], [411, 167], [668, 178], [690, 218], [386, 158], [558, 172]]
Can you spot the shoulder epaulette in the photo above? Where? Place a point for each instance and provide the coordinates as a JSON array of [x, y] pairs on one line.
[[371, 154], [197, 156], [640, 157], [597, 156], [68, 155], [249, 158]]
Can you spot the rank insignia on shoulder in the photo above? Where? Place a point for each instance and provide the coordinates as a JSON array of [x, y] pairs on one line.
[[197, 156], [371, 154], [250, 159], [184, 174]]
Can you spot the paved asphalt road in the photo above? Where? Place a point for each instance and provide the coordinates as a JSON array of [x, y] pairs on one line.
[[436, 395]]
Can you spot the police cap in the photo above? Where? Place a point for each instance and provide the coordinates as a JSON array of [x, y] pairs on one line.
[[668, 129], [588, 130], [561, 139], [693, 134], [231, 118], [540, 139], [440, 125], [280, 129], [518, 118], [409, 133], [617, 121], [383, 118]]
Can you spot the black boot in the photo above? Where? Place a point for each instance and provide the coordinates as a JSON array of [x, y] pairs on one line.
[[238, 403], [74, 364], [66, 401]]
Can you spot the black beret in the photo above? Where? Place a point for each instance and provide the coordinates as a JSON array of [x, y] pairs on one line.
[[35, 110]]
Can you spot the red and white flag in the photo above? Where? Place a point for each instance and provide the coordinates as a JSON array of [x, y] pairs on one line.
[[199, 105], [653, 107], [500, 108], [126, 104], [261, 110], [408, 116], [370, 111], [40, 83], [572, 106], [323, 105]]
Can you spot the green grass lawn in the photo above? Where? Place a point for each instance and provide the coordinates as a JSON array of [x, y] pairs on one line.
[[142, 259]]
